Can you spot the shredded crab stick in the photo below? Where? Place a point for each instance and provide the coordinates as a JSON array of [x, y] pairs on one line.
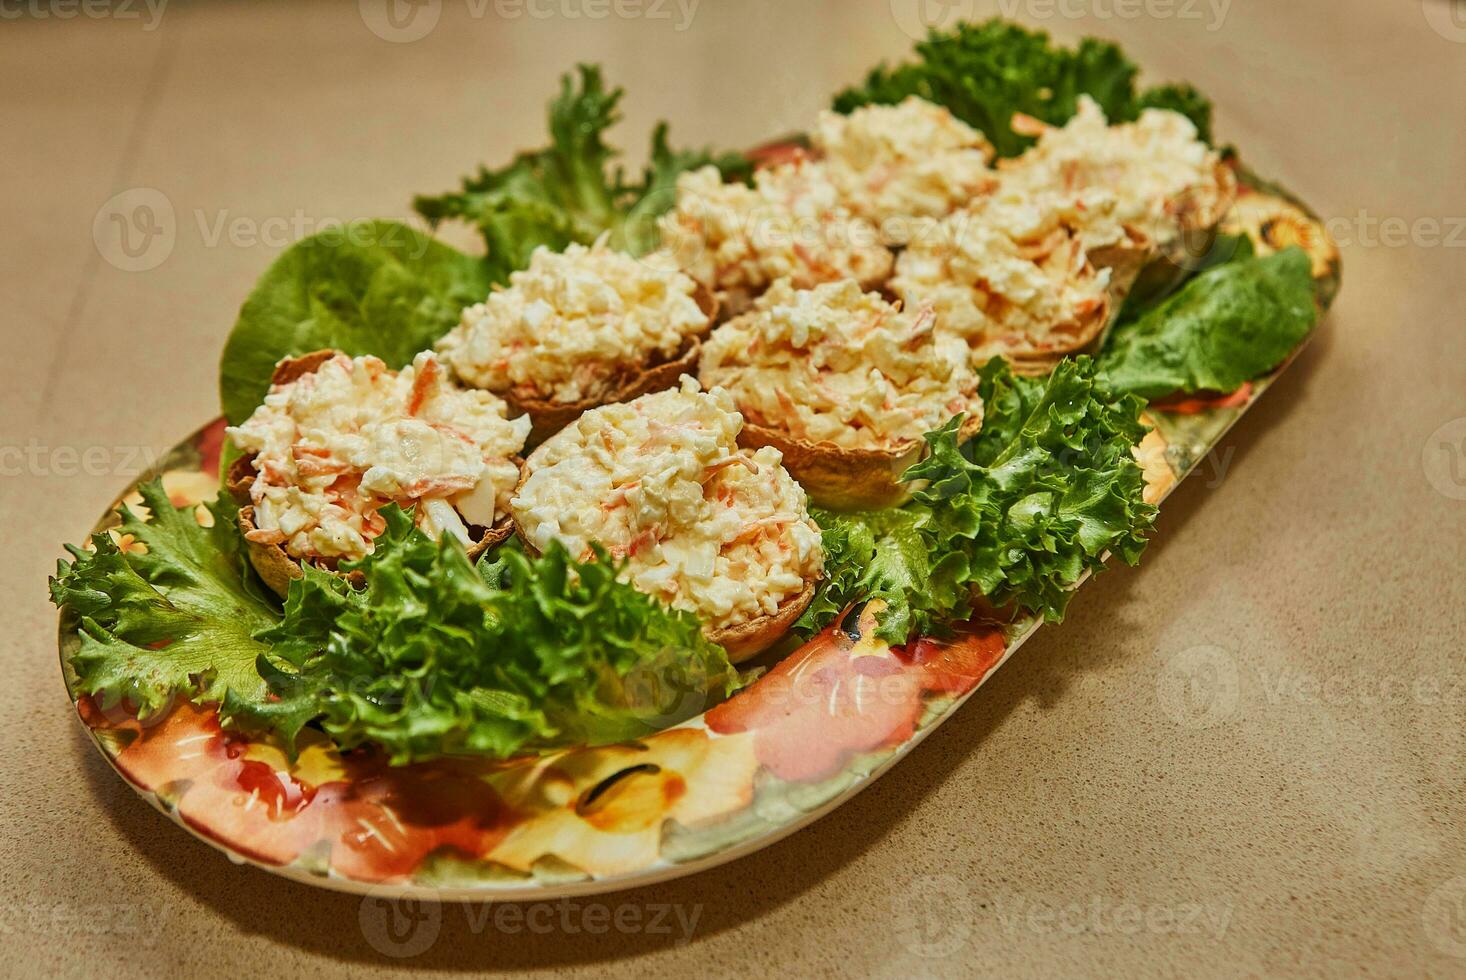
[[1010, 275], [660, 481], [334, 446], [566, 328], [737, 240], [915, 159], [835, 364], [1157, 174]]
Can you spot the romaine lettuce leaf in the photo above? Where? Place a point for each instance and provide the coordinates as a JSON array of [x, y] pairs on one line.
[[568, 191], [984, 73], [438, 657], [172, 615], [1228, 325], [368, 287]]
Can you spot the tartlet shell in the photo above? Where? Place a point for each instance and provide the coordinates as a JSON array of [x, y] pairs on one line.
[[548, 416], [842, 478], [274, 564], [749, 639]]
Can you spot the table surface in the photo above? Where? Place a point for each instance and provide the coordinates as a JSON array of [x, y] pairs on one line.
[[1246, 756]]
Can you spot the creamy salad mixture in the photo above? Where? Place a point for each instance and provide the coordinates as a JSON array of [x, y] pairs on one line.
[[738, 239], [1008, 275], [571, 325], [835, 364], [912, 160], [333, 447], [660, 481], [1155, 168]]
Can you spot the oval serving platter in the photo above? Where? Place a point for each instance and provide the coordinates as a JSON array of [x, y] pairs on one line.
[[808, 735]]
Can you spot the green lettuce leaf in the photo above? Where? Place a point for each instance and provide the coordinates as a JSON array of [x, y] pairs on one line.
[[175, 619], [438, 657], [568, 191], [984, 73], [1228, 325], [868, 555], [1018, 515], [368, 287]]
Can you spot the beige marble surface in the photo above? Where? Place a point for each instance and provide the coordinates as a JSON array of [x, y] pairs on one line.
[[1245, 757]]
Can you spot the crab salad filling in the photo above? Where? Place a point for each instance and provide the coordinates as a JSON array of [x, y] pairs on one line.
[[737, 239], [1156, 172], [661, 482], [1009, 275], [333, 447], [893, 163], [837, 365], [575, 323]]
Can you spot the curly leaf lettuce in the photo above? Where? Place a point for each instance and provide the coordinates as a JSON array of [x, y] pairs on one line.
[[568, 191], [984, 73], [172, 615], [368, 287], [438, 657], [1228, 325], [1018, 515]]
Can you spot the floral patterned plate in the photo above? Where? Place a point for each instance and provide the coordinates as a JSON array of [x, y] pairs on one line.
[[805, 737]]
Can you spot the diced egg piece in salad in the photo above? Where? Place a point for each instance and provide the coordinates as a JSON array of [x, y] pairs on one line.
[[791, 224], [838, 365], [333, 447], [892, 163], [1010, 274], [1157, 170], [570, 325], [660, 481]]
